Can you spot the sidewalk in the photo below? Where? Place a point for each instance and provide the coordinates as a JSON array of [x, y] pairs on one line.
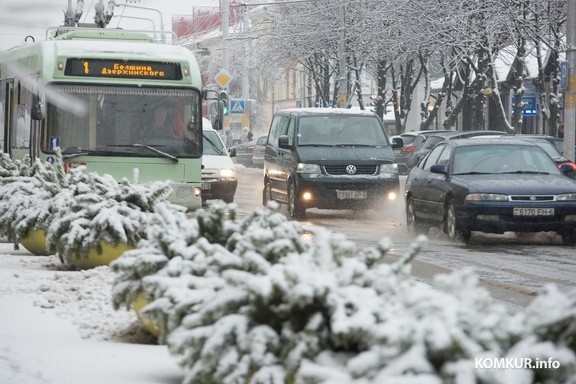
[[59, 327]]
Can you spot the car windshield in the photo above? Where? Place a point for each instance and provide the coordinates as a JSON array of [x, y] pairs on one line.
[[431, 141], [262, 140], [340, 130], [408, 139], [490, 159]]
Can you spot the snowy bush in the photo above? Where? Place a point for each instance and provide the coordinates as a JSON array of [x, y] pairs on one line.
[[264, 300], [22, 186], [96, 208], [16, 188], [77, 210]]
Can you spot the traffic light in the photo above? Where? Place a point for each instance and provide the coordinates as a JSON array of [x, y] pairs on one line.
[[224, 102]]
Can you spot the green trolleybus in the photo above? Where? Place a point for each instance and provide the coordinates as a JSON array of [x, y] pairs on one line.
[[93, 93]]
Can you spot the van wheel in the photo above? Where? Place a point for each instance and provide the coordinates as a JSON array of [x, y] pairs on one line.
[[295, 209], [266, 193]]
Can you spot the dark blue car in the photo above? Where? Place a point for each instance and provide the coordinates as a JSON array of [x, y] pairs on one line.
[[493, 186]]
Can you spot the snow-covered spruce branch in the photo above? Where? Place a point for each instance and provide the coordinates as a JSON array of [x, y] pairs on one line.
[[277, 303], [96, 208], [22, 186]]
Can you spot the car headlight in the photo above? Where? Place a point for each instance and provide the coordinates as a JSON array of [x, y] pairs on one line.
[[389, 168], [566, 197], [227, 173], [308, 168], [486, 197]]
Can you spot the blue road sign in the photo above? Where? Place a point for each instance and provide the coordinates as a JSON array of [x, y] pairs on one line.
[[53, 142], [529, 106], [237, 106]]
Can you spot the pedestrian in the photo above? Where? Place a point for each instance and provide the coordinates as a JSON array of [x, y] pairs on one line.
[[250, 135]]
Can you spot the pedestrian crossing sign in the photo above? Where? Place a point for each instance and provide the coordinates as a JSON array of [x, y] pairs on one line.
[[237, 106]]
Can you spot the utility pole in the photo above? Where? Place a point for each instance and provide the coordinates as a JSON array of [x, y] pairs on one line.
[[246, 56], [225, 23], [570, 93]]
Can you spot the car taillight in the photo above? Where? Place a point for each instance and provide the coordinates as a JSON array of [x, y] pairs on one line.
[[409, 148], [569, 163]]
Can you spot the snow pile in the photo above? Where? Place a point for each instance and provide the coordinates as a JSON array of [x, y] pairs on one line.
[[264, 300]]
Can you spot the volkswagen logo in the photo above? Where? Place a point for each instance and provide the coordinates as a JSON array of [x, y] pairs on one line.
[[532, 198], [351, 169]]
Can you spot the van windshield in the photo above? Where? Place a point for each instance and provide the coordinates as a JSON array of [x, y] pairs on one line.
[[341, 130], [212, 144]]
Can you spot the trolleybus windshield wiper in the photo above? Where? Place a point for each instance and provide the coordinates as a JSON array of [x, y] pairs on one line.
[[173, 159], [70, 156]]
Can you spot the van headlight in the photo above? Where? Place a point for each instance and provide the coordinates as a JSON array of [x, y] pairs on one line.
[[389, 168], [308, 168], [227, 173]]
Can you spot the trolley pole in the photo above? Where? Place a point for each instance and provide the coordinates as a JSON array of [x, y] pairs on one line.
[[570, 93]]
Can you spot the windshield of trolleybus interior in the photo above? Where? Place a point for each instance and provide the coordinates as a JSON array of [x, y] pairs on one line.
[[123, 121]]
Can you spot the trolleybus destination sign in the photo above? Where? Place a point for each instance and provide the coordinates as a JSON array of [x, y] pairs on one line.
[[123, 69]]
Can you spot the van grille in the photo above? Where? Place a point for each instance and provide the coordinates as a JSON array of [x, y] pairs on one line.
[[341, 169]]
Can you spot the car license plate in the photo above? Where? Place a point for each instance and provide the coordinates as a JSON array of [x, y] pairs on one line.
[[351, 194], [533, 212], [206, 185]]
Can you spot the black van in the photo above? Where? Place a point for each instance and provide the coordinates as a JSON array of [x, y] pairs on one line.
[[328, 158]]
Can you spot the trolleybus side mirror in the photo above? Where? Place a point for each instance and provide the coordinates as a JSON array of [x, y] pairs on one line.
[[215, 108], [37, 112], [218, 123]]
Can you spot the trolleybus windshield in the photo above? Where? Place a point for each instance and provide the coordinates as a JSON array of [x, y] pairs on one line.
[[123, 121]]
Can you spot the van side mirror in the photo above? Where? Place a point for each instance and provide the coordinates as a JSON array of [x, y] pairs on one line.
[[283, 142], [232, 152], [397, 142]]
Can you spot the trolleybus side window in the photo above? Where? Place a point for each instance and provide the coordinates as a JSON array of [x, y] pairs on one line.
[[23, 100]]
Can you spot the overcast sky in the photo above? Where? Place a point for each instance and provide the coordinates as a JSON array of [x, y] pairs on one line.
[[21, 18]]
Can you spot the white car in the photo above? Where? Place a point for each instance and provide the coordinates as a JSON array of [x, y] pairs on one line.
[[218, 170]]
